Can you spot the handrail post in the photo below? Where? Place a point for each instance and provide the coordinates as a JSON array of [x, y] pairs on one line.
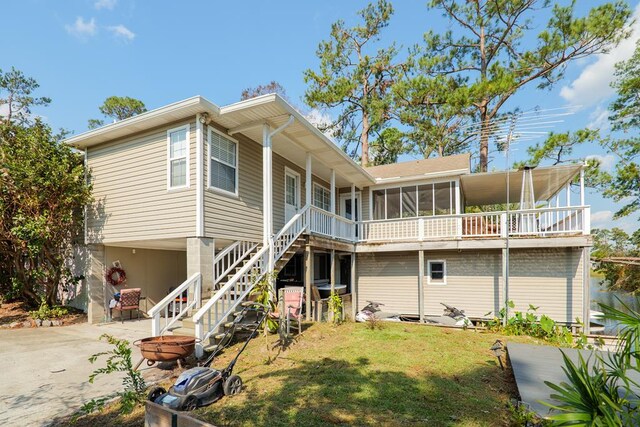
[[503, 225], [421, 229], [198, 292], [586, 220], [155, 325], [199, 335], [459, 227]]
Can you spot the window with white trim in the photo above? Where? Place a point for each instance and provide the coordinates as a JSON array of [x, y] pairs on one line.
[[223, 163], [437, 272], [178, 157], [321, 197]]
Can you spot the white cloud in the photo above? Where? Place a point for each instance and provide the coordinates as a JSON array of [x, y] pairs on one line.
[[607, 162], [82, 29], [320, 119], [599, 118], [122, 32], [601, 219], [593, 84], [105, 4]]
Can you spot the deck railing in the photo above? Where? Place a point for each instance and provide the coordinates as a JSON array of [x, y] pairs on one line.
[[331, 225], [177, 305], [521, 223]]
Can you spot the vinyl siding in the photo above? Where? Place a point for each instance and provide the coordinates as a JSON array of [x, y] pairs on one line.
[[548, 278], [131, 200], [236, 217], [389, 278], [366, 207], [473, 282]]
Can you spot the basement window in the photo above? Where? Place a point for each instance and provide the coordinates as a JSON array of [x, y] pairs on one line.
[[437, 272]]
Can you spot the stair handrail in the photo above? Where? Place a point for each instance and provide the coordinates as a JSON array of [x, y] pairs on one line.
[[247, 268], [193, 300], [248, 248]]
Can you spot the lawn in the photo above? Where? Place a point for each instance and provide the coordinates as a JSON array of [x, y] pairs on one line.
[[402, 374]]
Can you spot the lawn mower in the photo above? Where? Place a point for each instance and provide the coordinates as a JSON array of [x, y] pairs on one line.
[[203, 385]]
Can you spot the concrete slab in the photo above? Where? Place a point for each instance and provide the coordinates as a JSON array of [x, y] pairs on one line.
[[534, 364], [45, 371]]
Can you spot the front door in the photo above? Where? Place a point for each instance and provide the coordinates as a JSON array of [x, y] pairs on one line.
[[291, 194], [346, 208]]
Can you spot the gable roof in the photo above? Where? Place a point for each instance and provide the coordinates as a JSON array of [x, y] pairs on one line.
[[451, 165]]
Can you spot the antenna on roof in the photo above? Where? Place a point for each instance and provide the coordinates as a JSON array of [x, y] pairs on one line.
[[507, 130]]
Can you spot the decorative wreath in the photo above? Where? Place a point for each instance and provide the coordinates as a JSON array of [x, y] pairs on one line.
[[120, 276]]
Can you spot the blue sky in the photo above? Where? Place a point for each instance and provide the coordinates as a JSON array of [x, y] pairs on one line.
[[82, 51]]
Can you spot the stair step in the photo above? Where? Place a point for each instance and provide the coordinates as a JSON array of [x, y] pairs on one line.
[[219, 336], [211, 348]]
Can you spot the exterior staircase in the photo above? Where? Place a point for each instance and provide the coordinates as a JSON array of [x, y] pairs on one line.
[[237, 269]]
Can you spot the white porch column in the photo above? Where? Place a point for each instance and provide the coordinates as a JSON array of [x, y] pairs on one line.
[[354, 287], [308, 181], [333, 270], [421, 285], [353, 211], [333, 203], [581, 187], [568, 193], [199, 178], [267, 180]]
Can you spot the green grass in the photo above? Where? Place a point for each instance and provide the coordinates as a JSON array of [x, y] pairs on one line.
[[402, 374]]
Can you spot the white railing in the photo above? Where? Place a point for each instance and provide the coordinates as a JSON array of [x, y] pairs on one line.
[[229, 258], [176, 305], [289, 233], [331, 225], [215, 312], [532, 222]]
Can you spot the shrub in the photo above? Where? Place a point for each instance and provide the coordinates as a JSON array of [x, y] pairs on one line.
[[44, 312]]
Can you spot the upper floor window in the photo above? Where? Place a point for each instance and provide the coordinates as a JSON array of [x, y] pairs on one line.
[[321, 197], [414, 200], [178, 157], [223, 164]]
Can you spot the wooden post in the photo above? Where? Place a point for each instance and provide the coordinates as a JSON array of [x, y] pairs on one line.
[[354, 287], [333, 270], [421, 285], [308, 277]]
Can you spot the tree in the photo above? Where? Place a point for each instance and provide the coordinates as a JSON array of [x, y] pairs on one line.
[[43, 192], [616, 243], [118, 108], [389, 145], [355, 79], [624, 184], [493, 53], [434, 111], [16, 96], [271, 87]]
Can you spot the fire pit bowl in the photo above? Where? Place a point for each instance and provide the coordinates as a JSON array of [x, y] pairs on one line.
[[166, 348]]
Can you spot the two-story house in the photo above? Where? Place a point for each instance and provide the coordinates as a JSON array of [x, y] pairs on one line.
[[200, 200]]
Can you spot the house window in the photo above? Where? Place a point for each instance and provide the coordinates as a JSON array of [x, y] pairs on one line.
[[414, 200], [321, 197], [223, 164], [178, 154], [437, 272]]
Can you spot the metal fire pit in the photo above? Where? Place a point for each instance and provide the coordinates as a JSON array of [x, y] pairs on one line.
[[168, 348]]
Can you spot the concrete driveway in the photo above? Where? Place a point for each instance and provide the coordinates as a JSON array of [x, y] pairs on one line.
[[45, 371]]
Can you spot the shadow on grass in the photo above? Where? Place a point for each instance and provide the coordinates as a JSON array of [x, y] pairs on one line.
[[334, 391]]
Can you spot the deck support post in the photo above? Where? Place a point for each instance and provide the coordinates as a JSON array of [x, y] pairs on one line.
[[505, 283], [333, 270], [421, 285], [354, 287], [308, 276], [586, 289]]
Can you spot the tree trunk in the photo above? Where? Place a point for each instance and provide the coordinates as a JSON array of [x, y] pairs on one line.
[[364, 140], [484, 140]]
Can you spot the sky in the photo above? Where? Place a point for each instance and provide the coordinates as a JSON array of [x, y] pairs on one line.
[[82, 51]]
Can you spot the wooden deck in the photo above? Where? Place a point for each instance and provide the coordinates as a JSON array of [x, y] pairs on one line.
[[534, 364]]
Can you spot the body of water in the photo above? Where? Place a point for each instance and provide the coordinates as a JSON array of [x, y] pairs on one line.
[[600, 294]]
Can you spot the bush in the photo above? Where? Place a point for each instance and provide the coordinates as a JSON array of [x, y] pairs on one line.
[[45, 312]]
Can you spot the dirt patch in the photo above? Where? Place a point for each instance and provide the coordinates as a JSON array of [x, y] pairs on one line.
[[12, 312]]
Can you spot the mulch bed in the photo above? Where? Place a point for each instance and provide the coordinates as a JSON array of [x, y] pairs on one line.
[[18, 312]]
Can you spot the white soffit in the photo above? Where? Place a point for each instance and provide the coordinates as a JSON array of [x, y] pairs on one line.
[[491, 187]]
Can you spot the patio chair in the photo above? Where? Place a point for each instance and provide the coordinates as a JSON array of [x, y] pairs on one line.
[[129, 300], [317, 304], [291, 309]]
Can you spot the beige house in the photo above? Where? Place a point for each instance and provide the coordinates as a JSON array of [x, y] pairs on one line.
[[197, 199]]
